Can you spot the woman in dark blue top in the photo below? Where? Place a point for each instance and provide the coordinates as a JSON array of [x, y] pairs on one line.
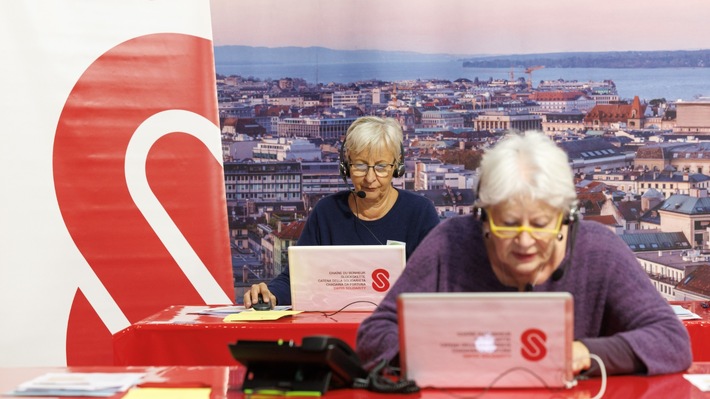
[[372, 213]]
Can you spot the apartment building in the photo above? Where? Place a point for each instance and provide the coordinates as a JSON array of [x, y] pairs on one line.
[[690, 215], [351, 98], [695, 286], [321, 178], [562, 101], [442, 119], [312, 127], [434, 175], [589, 155], [683, 157], [604, 116], [667, 182], [507, 120], [563, 122], [286, 235], [268, 186], [693, 118], [667, 268], [285, 149]]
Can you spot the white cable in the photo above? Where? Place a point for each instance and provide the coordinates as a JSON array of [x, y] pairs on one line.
[[602, 371]]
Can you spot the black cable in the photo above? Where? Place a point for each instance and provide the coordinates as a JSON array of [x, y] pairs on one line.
[[492, 384], [344, 307], [357, 219], [377, 381]]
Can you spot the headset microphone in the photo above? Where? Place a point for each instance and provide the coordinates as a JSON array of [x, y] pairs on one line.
[[559, 272], [359, 193]]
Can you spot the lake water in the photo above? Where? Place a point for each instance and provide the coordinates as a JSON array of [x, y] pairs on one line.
[[669, 83]]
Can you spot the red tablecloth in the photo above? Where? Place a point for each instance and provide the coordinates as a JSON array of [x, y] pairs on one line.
[[225, 383], [177, 336], [699, 329]]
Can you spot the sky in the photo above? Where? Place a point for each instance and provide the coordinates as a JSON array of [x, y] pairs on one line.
[[465, 27]]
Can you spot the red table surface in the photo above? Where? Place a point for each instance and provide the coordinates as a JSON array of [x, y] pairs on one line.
[[225, 383], [177, 336], [699, 329]]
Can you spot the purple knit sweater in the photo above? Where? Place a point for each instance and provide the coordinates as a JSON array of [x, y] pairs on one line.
[[618, 314]]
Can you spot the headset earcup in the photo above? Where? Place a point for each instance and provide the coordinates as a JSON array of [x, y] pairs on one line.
[[343, 166], [344, 169], [571, 217], [480, 214], [398, 170]]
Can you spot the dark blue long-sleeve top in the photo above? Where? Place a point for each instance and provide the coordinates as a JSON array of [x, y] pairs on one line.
[[333, 223]]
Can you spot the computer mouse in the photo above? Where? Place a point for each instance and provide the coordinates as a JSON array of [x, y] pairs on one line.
[[261, 305]]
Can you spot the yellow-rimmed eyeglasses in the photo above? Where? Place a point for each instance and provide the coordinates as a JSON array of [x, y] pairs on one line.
[[361, 169], [539, 233]]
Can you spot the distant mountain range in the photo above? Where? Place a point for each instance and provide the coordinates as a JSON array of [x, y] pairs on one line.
[[609, 59], [247, 55]]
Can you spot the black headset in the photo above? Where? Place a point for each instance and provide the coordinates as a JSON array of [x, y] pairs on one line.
[[344, 165]]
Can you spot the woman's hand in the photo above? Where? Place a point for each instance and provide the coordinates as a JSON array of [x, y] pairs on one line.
[[580, 357], [252, 295]]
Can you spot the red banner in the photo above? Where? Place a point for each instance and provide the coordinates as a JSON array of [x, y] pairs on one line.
[[136, 165]]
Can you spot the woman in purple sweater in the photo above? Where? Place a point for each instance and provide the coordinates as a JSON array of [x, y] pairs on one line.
[[526, 237]]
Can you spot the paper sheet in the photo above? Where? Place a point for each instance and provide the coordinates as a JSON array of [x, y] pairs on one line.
[[77, 384], [226, 310], [684, 314], [257, 315], [168, 393], [701, 381]]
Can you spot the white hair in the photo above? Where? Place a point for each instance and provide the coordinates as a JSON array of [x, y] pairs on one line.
[[527, 166]]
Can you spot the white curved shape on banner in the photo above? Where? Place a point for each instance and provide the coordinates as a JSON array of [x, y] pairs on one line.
[[100, 299], [143, 138]]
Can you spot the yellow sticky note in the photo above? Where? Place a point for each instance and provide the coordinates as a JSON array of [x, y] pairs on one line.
[[256, 315], [168, 393]]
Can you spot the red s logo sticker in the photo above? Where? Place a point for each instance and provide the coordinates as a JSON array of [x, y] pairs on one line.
[[380, 280], [533, 345]]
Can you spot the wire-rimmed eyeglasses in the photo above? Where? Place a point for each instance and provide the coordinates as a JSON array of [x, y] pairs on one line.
[[361, 169]]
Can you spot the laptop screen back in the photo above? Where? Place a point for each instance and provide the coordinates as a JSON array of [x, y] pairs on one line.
[[480, 340], [333, 277]]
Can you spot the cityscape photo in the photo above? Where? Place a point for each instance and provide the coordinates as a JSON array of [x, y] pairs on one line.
[[627, 103]]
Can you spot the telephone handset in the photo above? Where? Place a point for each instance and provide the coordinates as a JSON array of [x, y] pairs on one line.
[[318, 364]]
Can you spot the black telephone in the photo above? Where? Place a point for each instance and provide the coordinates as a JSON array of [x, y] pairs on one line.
[[318, 364]]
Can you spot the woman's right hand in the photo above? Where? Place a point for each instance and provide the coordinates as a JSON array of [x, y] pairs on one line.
[[580, 357], [251, 296]]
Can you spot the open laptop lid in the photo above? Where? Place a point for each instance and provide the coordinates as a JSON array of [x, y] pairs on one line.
[[480, 340], [331, 277]]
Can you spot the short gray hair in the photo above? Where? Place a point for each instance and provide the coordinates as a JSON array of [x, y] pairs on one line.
[[372, 132], [526, 166]]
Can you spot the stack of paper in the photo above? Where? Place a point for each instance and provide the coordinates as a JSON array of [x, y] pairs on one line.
[[78, 384]]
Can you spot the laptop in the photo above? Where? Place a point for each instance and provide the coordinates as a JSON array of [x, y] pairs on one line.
[[482, 340], [343, 277]]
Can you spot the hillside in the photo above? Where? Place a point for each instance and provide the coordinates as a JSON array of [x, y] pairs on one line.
[[617, 59]]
